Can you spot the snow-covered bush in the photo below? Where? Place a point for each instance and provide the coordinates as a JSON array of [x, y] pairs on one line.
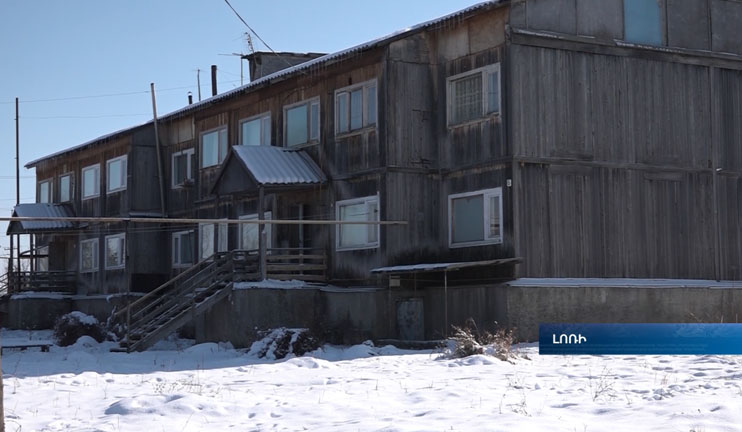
[[70, 327], [278, 343], [469, 340]]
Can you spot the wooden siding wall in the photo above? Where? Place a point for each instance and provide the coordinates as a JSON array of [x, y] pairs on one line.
[[616, 165], [711, 25]]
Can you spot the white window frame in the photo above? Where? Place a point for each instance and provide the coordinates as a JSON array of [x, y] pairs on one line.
[[124, 174], [265, 135], [484, 72], [122, 259], [71, 190], [487, 239], [268, 229], [219, 157], [176, 256], [50, 193], [310, 139], [365, 200], [96, 260], [189, 154], [96, 184], [366, 88], [42, 262]]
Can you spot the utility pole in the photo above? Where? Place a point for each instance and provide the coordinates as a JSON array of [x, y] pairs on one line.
[[163, 212]]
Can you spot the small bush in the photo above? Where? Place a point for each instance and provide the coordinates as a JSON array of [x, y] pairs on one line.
[[278, 343], [70, 327], [469, 340]]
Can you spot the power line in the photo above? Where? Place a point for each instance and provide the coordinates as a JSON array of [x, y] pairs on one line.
[[68, 98], [257, 35], [82, 116]]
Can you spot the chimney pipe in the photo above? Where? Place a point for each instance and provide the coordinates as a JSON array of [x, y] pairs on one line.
[[190, 98], [213, 80]]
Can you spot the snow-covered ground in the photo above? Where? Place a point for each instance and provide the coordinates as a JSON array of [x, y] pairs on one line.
[[212, 387]]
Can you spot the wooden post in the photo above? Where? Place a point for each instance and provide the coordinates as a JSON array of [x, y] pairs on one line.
[[445, 304], [261, 234], [159, 152]]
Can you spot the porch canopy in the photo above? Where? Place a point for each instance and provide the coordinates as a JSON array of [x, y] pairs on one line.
[[249, 168], [443, 267], [45, 210]]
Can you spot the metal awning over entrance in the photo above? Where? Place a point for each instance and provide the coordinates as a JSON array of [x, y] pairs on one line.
[[248, 168], [42, 210], [443, 267]]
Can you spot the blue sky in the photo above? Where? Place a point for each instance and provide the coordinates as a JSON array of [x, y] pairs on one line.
[[97, 59]]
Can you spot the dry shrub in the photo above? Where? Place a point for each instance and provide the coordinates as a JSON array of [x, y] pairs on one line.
[[278, 343], [70, 327], [469, 340]]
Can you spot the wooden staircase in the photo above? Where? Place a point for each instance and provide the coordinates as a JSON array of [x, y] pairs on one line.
[[193, 292], [179, 300]]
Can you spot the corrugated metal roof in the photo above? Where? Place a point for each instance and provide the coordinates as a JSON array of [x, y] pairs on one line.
[[285, 72], [41, 210], [275, 165]]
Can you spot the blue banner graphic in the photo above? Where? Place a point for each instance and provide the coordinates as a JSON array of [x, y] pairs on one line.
[[617, 339]]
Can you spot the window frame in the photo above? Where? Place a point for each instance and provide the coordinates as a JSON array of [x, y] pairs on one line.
[[365, 112], [190, 155], [96, 258], [220, 158], [310, 140], [96, 183], [175, 258], [50, 193], [353, 201], [268, 215], [259, 117], [484, 71], [122, 264], [124, 174], [487, 240], [71, 187]]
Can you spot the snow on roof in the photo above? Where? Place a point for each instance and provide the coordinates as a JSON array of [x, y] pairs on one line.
[[623, 282], [40, 210], [283, 73], [276, 165]]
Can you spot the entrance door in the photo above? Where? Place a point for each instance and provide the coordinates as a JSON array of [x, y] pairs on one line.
[[410, 319]]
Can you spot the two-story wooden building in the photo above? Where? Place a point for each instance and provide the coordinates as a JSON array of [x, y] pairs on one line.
[[516, 139]]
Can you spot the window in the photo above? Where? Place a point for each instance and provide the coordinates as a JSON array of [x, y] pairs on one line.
[[256, 131], [183, 242], [474, 95], [361, 236], [89, 255], [182, 166], [642, 21], [355, 107], [115, 251], [45, 191], [65, 188], [475, 218], [42, 260], [302, 122], [207, 240], [249, 239], [213, 147], [116, 174], [91, 181]]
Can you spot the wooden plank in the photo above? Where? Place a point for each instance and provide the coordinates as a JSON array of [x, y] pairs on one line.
[[295, 267]]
